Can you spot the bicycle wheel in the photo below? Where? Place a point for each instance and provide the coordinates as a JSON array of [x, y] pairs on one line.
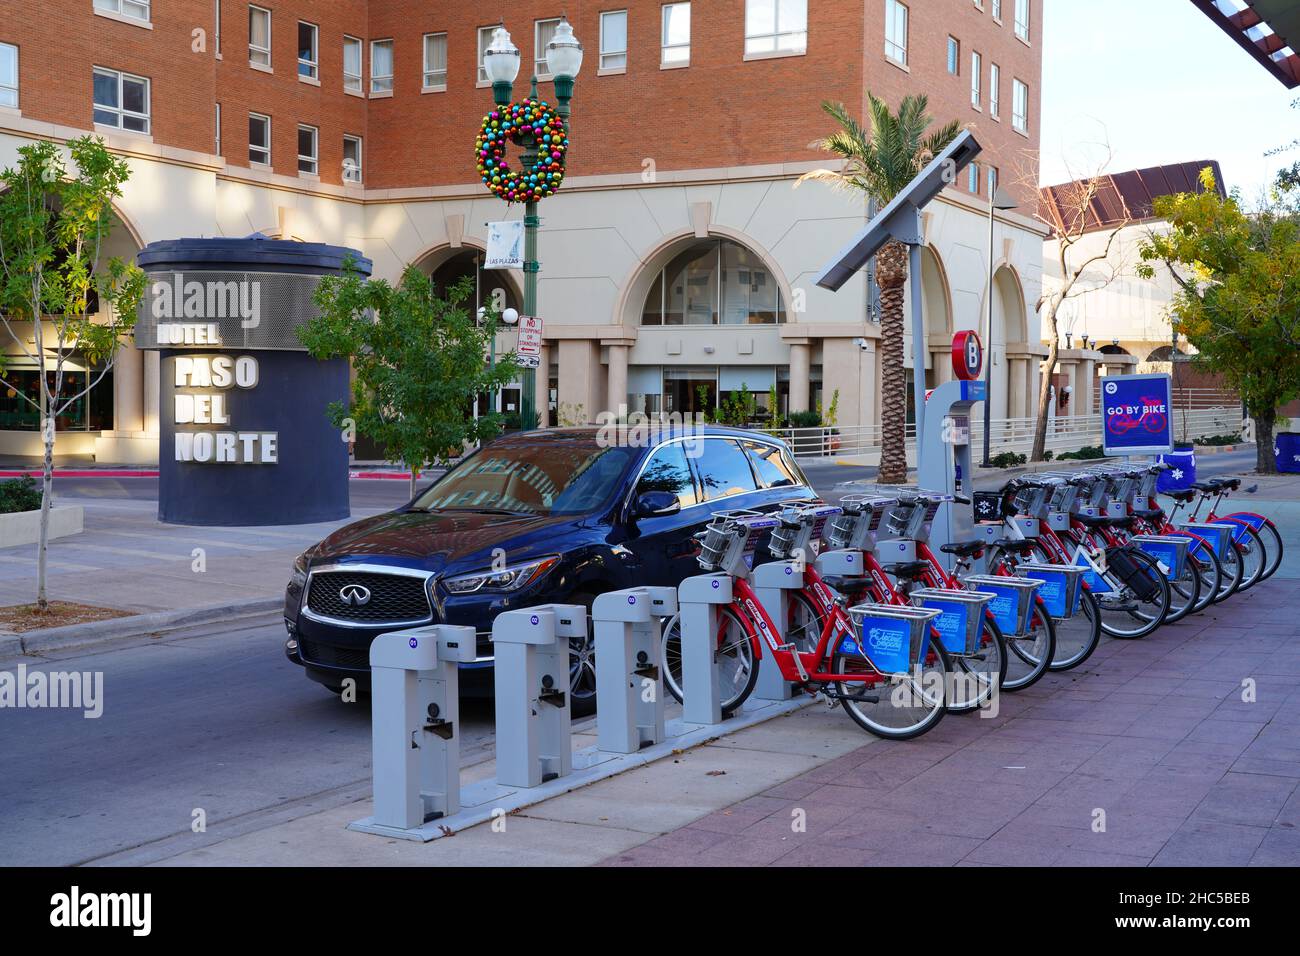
[[1233, 571], [1184, 592], [1029, 656], [898, 707], [737, 672], [1268, 533], [1254, 557], [977, 677], [1125, 614], [1208, 569]]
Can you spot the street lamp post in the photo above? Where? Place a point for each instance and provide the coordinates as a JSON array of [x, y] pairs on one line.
[[501, 63], [997, 200]]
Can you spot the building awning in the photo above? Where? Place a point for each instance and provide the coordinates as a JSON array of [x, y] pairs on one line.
[[1269, 30]]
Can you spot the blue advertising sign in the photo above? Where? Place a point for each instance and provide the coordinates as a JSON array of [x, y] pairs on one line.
[[1136, 414]]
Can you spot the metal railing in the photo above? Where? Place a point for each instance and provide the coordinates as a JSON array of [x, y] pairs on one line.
[[1065, 433]]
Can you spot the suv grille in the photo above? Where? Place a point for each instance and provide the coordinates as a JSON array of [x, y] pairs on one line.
[[393, 597]]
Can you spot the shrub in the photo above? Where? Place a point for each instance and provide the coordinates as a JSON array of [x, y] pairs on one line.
[[1229, 439], [20, 494], [1083, 454], [1007, 459], [808, 419]]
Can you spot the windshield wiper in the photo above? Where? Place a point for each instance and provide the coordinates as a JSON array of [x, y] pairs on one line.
[[488, 511]]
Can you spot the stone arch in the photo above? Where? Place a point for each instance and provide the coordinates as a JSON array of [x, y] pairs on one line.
[[435, 258], [636, 286]]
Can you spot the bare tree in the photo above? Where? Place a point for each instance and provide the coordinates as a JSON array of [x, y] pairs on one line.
[[1085, 206]]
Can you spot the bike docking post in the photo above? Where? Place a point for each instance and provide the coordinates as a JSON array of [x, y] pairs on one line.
[[532, 698], [415, 718], [701, 599], [629, 682]]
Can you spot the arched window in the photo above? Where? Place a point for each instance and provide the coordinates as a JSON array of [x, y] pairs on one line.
[[714, 282]]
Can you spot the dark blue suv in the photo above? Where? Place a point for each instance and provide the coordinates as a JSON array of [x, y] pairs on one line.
[[559, 515]]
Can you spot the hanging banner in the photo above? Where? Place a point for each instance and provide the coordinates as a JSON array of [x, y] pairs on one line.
[[505, 245], [1136, 414]]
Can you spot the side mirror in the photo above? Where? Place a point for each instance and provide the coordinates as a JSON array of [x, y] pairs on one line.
[[656, 504]]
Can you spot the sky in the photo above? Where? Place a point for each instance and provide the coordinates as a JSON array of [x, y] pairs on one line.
[[1159, 82]]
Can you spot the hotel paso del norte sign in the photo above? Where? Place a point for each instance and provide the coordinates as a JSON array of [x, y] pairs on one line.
[[244, 433]]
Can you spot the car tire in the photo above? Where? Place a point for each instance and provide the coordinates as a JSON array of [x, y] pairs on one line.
[[582, 704]]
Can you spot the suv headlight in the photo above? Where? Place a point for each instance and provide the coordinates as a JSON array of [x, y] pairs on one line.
[[299, 579], [510, 578]]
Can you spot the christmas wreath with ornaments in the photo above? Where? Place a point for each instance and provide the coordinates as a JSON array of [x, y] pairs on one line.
[[511, 124]]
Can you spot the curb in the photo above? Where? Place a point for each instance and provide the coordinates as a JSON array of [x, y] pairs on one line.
[[137, 625]]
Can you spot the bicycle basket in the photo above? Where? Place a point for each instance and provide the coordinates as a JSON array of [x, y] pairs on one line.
[[901, 518], [891, 638], [1013, 602], [1060, 590], [1029, 501], [961, 616]]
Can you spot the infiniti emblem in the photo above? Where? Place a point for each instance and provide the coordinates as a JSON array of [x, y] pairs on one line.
[[354, 595]]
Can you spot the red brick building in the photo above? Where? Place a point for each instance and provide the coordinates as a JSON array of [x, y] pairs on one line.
[[352, 122]]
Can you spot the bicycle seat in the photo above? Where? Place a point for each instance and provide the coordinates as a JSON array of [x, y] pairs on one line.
[[1183, 496], [1019, 545], [1204, 485], [963, 549], [906, 569], [1149, 514]]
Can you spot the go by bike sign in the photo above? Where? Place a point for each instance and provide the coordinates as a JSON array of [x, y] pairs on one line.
[[1136, 414]]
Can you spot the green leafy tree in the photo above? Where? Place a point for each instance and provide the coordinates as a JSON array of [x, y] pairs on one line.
[[56, 289], [419, 363], [879, 162], [1238, 301]]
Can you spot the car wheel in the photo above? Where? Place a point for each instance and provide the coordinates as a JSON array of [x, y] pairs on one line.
[[582, 664]]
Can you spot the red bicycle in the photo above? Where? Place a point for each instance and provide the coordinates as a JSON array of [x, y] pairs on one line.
[[892, 703]]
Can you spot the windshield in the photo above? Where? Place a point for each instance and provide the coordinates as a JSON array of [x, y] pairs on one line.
[[550, 476]]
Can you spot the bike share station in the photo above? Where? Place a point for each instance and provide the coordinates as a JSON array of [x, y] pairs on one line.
[[415, 723], [416, 750]]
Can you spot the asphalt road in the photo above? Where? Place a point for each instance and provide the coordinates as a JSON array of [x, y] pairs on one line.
[[211, 721]]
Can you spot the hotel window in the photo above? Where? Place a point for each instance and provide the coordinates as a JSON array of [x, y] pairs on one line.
[[435, 61], [1022, 19], [954, 56], [135, 9], [676, 38], [776, 26], [1019, 106], [352, 159], [308, 136], [992, 179], [308, 58], [976, 67], [484, 41], [121, 100], [995, 80], [217, 130], [543, 33], [259, 36], [259, 139], [216, 26], [896, 31], [381, 66], [973, 178], [613, 40], [8, 75], [997, 9], [352, 64]]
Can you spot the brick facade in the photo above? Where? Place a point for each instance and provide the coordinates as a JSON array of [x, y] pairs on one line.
[[721, 111]]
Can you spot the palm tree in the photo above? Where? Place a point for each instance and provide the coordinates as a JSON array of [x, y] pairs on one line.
[[880, 163]]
